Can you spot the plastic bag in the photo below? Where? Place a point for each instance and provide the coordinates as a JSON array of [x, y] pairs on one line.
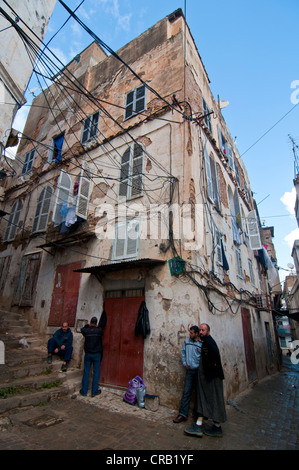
[[24, 343], [140, 395], [130, 396]]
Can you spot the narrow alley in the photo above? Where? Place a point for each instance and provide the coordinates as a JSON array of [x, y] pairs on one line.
[[263, 418]]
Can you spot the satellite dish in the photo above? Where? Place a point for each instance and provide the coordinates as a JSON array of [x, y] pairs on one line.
[[223, 104], [290, 266]]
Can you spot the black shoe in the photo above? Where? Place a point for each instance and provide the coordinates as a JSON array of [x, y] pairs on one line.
[[81, 393], [49, 359], [97, 393], [63, 368], [214, 431], [194, 430], [179, 419]]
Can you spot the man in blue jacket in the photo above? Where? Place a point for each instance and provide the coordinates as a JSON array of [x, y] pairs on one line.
[[61, 344], [190, 354]]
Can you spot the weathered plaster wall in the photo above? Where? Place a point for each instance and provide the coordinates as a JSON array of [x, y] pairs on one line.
[[35, 15]]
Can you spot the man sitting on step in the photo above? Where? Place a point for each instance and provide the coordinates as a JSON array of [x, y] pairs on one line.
[[61, 344]]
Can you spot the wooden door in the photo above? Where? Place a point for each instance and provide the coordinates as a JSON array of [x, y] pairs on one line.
[[122, 350], [65, 295], [248, 344]]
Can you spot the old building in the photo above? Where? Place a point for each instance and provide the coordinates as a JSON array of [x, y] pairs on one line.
[[30, 19], [130, 189]]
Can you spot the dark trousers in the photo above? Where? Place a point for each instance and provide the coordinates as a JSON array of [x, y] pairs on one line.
[[65, 353], [94, 360], [190, 383]]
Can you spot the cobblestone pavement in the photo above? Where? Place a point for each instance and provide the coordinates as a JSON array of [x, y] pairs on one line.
[[263, 418]]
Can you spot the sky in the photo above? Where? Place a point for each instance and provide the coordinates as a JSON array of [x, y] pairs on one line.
[[250, 51]]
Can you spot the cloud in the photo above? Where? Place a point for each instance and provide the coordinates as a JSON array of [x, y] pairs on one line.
[[112, 7], [61, 56], [288, 200], [291, 237]]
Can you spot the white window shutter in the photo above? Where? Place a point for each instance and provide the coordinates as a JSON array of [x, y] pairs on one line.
[[13, 221], [120, 240], [62, 195], [253, 231], [133, 237], [83, 192], [208, 174], [218, 187], [42, 211], [127, 237]]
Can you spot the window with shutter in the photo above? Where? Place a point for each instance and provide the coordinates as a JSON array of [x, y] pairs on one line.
[[251, 273], [253, 231], [42, 210], [90, 127], [13, 221], [62, 195], [135, 101], [237, 173], [56, 149], [218, 246], [208, 174], [212, 180], [4, 270], [239, 262], [127, 239], [207, 119], [83, 192], [131, 172], [28, 162]]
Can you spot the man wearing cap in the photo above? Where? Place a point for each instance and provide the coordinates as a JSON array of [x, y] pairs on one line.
[[93, 352]]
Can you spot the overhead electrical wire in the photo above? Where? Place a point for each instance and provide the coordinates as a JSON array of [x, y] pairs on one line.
[[72, 79], [87, 94], [56, 82]]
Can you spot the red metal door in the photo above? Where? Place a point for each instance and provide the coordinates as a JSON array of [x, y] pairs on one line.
[[248, 344], [122, 350], [65, 295]]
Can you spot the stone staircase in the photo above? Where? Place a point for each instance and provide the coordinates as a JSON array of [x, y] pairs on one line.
[[26, 379]]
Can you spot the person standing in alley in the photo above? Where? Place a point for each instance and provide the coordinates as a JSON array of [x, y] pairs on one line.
[[210, 399], [93, 352], [190, 355]]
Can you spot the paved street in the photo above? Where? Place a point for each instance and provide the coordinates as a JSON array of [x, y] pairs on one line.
[[264, 418]]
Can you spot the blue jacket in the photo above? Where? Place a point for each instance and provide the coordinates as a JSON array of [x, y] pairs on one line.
[[62, 337], [190, 353]]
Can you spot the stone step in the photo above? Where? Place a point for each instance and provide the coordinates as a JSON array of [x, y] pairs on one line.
[[12, 323], [32, 391], [24, 341], [26, 379], [4, 315], [29, 398]]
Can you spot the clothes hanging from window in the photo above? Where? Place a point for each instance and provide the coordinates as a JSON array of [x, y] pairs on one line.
[[224, 259]]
